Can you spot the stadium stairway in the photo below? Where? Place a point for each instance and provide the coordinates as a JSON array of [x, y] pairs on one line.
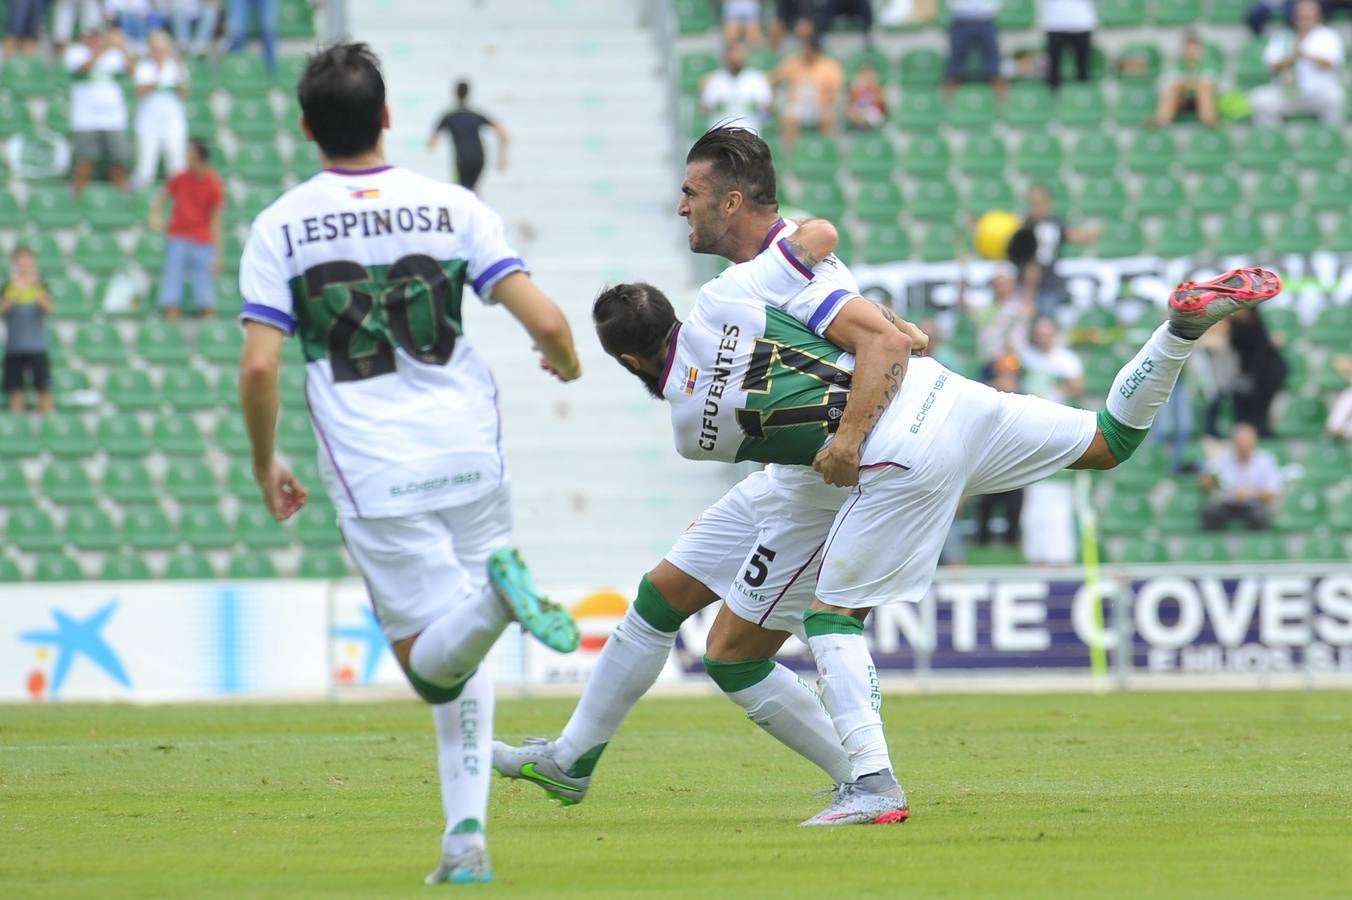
[[589, 198]]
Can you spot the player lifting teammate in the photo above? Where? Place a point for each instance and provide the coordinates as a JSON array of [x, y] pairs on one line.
[[366, 264]]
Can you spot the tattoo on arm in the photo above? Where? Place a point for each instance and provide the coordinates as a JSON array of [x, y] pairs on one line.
[[890, 316], [802, 254], [893, 377]]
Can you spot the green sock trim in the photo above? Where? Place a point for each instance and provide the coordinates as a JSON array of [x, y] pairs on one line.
[[467, 826], [587, 762], [435, 693], [655, 610], [1122, 439], [738, 676], [817, 622]]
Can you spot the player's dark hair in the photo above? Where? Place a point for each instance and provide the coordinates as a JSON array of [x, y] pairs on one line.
[[633, 318], [741, 162], [342, 96], [462, 90], [200, 147]]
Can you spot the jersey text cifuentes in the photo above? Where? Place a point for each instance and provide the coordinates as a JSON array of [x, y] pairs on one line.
[[708, 435], [367, 223]]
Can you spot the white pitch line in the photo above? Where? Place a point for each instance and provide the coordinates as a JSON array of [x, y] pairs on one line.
[[232, 742]]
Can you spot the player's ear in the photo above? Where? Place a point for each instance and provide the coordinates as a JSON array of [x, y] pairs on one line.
[[631, 362], [732, 201]]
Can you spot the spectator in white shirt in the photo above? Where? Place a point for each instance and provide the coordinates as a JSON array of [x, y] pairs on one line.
[[1243, 484], [161, 120], [1069, 25], [98, 111], [1309, 66], [736, 95], [1051, 371]]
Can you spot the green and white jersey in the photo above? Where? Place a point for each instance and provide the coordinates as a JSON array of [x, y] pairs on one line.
[[367, 268], [750, 376]]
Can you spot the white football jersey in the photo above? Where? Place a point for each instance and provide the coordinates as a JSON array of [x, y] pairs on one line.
[[367, 268]]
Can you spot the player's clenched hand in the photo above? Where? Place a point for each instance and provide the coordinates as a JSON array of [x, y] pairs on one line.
[[554, 370], [282, 493], [838, 464]]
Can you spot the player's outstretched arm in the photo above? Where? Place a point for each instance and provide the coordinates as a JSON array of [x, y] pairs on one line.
[[881, 352], [259, 397], [543, 321]]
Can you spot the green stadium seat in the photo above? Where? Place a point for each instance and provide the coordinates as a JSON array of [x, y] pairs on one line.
[[149, 251], [821, 198], [51, 257], [128, 482], [1121, 13], [878, 203], [1183, 509], [1302, 417], [941, 242], [1320, 146], [983, 156], [64, 435], [187, 390], [1250, 70], [99, 255], [1127, 513], [318, 564], [305, 159], [104, 206], [1094, 153], [1227, 12], [295, 436], [12, 215], [1264, 149], [693, 16], [1138, 61], [71, 299], [1103, 197], [14, 118], [1160, 195], [176, 434], [1179, 238], [816, 156], [124, 567], [201, 119], [1216, 193], [1142, 550], [100, 342], [147, 528], [1178, 13], [1333, 326], [1099, 372], [1332, 192], [972, 106], [290, 69], [231, 436], [9, 570], [189, 481], [1240, 235], [1121, 238], [1323, 549], [934, 201], [921, 68], [1283, 321], [1028, 105], [243, 75], [52, 207], [1327, 463], [1261, 548], [57, 117], [66, 482], [1151, 153], [1015, 15], [52, 567], [1340, 517], [31, 530], [255, 527], [1208, 151], [921, 110], [845, 249], [887, 244], [1039, 155], [130, 390], [259, 164], [317, 525], [67, 384], [204, 528], [13, 485], [295, 21], [189, 567], [871, 156], [17, 439], [250, 565], [988, 194], [1201, 548], [1340, 238], [1273, 192], [161, 343], [27, 76], [91, 529], [1081, 103], [1303, 509], [926, 156], [876, 58]]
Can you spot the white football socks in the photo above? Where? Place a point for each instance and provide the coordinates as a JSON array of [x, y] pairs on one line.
[[630, 662], [1145, 383], [791, 711], [852, 696], [452, 647], [465, 760]]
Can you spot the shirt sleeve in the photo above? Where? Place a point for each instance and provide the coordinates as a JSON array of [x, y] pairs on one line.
[[145, 74], [1274, 51], [490, 257], [1269, 475], [1325, 44], [777, 278], [264, 285]]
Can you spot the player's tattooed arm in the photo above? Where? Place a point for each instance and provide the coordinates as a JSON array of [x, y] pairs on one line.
[[919, 340], [814, 240]]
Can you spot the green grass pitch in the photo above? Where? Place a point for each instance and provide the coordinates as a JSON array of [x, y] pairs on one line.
[[1126, 795]]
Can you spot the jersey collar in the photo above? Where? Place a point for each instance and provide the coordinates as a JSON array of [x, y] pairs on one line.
[[671, 360], [371, 171], [773, 233]]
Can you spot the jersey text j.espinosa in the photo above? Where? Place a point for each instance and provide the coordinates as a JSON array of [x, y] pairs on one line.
[[708, 436], [372, 222]]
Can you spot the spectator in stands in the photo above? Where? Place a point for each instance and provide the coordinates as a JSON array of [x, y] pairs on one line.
[[741, 22], [237, 25], [790, 17], [1051, 369], [1001, 373], [1004, 325], [136, 19], [193, 248], [1069, 25], [25, 305], [867, 106], [463, 125], [22, 24], [67, 14], [972, 29], [1262, 370], [161, 119], [1036, 247], [735, 94], [1191, 87], [1241, 485], [1216, 367], [195, 24], [813, 84], [98, 111], [860, 12], [1339, 423], [1263, 10], [1311, 62]]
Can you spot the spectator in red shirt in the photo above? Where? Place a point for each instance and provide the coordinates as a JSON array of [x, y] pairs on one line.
[[193, 249]]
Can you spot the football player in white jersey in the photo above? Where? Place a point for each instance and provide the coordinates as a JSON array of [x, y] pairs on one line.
[[366, 264], [755, 547]]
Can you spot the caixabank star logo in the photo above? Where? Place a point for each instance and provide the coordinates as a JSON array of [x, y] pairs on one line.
[[70, 639]]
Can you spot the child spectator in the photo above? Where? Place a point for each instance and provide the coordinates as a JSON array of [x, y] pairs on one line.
[[1191, 87], [25, 304], [867, 107]]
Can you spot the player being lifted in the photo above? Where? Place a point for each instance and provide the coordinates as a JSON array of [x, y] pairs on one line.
[[366, 263], [752, 375], [756, 542]]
